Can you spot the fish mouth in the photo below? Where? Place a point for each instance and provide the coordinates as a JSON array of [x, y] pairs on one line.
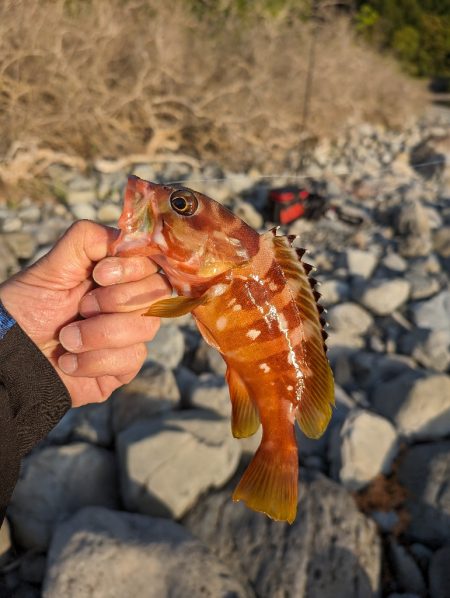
[[137, 221]]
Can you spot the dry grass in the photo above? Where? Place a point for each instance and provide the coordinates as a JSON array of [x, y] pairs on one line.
[[111, 77]]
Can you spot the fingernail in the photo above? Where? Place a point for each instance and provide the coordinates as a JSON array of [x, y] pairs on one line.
[[108, 273], [89, 305], [68, 363], [70, 337]]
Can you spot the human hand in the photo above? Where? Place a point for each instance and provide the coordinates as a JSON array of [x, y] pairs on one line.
[[96, 355]]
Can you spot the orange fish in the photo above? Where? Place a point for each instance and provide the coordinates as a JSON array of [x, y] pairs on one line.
[[253, 301]]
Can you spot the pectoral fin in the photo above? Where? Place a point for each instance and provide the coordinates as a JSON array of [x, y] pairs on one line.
[[244, 416], [175, 306]]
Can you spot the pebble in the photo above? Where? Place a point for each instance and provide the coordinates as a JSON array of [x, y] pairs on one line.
[[361, 263], [350, 318], [167, 347], [84, 212], [5, 543], [384, 296], [109, 212], [333, 291], [440, 573]]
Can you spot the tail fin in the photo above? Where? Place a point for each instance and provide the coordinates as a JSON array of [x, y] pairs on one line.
[[270, 483]]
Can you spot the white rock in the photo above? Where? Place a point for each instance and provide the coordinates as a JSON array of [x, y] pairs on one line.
[[166, 463], [249, 214], [109, 212], [350, 318], [84, 212], [368, 446], [382, 297], [361, 263], [333, 291]]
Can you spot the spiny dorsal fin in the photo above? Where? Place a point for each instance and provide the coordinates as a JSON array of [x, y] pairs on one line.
[[314, 411]]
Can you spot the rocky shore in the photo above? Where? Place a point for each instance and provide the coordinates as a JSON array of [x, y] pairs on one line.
[[133, 497]]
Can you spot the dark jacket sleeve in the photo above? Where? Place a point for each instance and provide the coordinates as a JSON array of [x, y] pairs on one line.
[[32, 401]]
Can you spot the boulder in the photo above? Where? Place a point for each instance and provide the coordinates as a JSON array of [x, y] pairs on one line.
[[153, 391], [418, 404], [367, 445], [424, 472], [167, 462], [330, 550], [54, 483], [99, 553]]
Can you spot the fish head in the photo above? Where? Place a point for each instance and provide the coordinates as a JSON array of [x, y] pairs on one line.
[[182, 230]]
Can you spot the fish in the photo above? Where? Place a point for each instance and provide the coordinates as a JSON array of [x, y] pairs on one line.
[[253, 299]]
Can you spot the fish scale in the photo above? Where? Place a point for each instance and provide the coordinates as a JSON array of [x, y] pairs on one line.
[[253, 300]]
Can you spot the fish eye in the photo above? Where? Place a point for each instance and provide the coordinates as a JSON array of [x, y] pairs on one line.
[[184, 202]]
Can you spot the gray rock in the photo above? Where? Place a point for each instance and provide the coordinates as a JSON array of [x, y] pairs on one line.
[[109, 212], [99, 553], [441, 241], [384, 296], [414, 228], [370, 369], [386, 520], [12, 224], [76, 197], [330, 550], [394, 262], [32, 567], [60, 481], [247, 212], [361, 263], [211, 393], [8, 261], [84, 211], [434, 313], [208, 358], [166, 463], [439, 573], [368, 446], [30, 213], [350, 318], [167, 348], [430, 348], [23, 245], [422, 286], [418, 405], [408, 576], [424, 472], [90, 423], [5, 542], [153, 391], [333, 291]]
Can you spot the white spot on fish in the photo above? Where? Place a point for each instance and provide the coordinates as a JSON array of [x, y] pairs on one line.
[[186, 288], [264, 367], [253, 334], [290, 387], [232, 302], [237, 307], [242, 253], [221, 323], [218, 289], [273, 286], [235, 242]]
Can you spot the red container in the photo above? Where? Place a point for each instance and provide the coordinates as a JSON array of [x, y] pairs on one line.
[[287, 204]]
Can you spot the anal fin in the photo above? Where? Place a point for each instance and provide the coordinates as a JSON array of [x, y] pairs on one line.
[[244, 415], [270, 483], [174, 306]]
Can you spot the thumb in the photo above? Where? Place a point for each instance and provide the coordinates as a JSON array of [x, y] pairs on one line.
[[73, 257]]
